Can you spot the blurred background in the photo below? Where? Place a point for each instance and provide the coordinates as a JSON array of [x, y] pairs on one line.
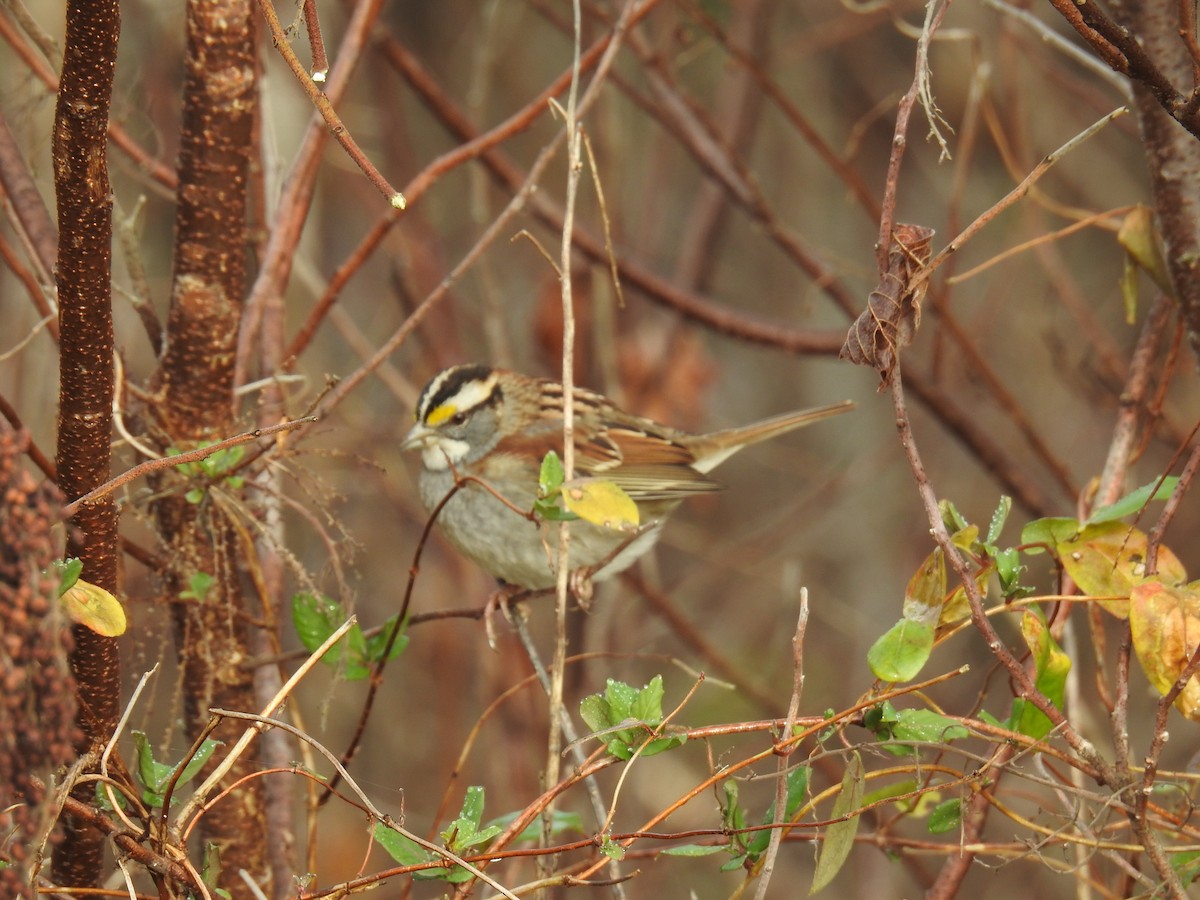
[[741, 150]]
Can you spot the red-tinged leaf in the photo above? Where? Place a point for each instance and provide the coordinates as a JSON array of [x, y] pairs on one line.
[[926, 590], [1165, 624]]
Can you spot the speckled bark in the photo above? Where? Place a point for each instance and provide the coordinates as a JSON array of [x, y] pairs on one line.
[[83, 271], [1173, 154], [195, 379]]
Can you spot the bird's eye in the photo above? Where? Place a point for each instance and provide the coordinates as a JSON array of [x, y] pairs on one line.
[[458, 418]]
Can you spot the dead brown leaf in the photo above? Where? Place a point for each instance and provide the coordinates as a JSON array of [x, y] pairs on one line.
[[893, 311]]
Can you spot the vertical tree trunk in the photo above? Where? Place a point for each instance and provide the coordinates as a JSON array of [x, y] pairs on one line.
[[196, 377], [84, 265]]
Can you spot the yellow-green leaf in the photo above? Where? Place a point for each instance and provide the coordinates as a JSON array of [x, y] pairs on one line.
[[1139, 237], [1165, 624], [602, 503], [95, 608], [1051, 667], [1107, 559], [839, 837]]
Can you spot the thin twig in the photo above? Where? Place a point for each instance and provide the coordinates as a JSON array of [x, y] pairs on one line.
[[166, 462], [325, 107]]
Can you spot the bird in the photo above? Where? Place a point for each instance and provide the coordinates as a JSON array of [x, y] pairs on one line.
[[480, 425]]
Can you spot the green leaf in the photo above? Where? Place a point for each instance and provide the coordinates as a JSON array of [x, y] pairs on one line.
[[1049, 531], [464, 831], [1134, 501], [945, 817], [69, 571], [156, 776], [612, 849], [1051, 666], [376, 643], [199, 584], [402, 849], [1186, 865], [316, 617], [901, 652], [1008, 571], [951, 517], [624, 717], [551, 475], [796, 790], [924, 726], [552, 512], [998, 519], [694, 849], [896, 789], [839, 837], [560, 823]]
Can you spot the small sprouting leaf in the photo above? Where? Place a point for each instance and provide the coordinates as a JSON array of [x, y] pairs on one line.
[[945, 817], [602, 503], [1008, 571], [951, 517], [69, 571], [839, 837], [199, 584], [95, 608], [998, 519], [464, 832], [624, 718], [612, 849], [551, 476], [1165, 624], [901, 652], [1134, 501], [895, 789]]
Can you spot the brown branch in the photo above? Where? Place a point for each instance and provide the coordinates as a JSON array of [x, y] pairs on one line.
[[324, 105], [26, 200], [169, 462], [1128, 53], [275, 265], [316, 42]]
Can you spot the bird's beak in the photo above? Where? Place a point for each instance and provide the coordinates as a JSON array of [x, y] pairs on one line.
[[418, 438]]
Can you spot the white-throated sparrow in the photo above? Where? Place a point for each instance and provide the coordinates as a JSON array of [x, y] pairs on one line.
[[497, 425]]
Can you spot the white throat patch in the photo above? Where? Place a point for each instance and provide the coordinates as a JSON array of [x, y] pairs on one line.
[[440, 453]]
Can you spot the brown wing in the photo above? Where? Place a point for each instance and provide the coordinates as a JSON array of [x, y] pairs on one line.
[[647, 466]]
